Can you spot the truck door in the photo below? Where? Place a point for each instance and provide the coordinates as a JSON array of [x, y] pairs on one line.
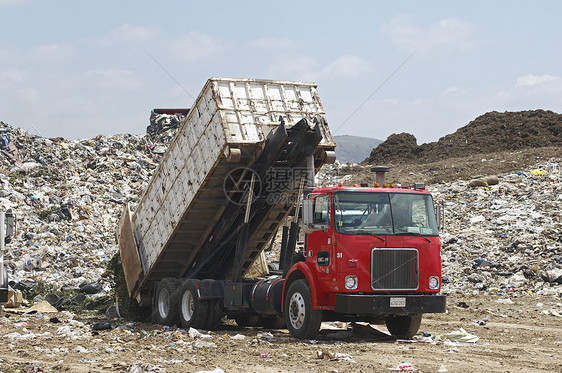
[[319, 243]]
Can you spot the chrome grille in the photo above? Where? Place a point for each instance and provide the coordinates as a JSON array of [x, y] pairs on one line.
[[394, 269]]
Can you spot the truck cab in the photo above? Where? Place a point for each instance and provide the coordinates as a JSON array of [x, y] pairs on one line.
[[372, 254]]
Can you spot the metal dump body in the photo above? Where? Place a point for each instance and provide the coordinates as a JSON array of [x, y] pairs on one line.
[[225, 129]]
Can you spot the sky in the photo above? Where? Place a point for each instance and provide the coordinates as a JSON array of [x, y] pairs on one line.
[[77, 69]]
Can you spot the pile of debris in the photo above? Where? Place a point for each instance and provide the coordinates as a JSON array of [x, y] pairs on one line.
[[68, 197], [504, 234], [489, 133], [164, 124]]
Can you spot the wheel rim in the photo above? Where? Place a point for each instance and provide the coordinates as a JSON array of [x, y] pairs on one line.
[[187, 305], [164, 303], [297, 310]]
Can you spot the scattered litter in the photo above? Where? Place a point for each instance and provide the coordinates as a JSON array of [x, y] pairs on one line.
[[483, 321], [266, 336], [404, 367], [328, 355], [552, 312], [461, 336], [194, 333], [505, 301], [203, 344]]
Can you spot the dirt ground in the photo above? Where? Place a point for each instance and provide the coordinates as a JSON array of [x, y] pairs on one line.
[[525, 336]]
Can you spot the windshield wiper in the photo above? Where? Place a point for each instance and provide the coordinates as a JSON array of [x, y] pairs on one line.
[[414, 234], [370, 234]]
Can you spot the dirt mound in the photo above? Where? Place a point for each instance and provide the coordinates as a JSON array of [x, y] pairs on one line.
[[492, 143], [489, 133]]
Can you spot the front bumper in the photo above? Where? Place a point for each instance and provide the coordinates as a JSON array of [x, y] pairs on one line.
[[365, 304]]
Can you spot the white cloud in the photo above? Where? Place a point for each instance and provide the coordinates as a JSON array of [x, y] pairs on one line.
[[196, 46], [292, 67], [445, 34], [113, 78], [306, 68], [531, 80], [275, 43], [51, 53], [345, 67], [127, 34], [11, 76]]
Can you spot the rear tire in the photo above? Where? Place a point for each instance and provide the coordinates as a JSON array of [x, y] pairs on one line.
[[192, 310], [214, 315], [302, 321], [404, 327], [166, 302]]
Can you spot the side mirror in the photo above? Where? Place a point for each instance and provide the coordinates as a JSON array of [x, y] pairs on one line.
[[440, 216], [10, 224], [311, 222], [307, 216]]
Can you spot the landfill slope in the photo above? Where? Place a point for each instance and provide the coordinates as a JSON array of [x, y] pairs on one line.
[[68, 196], [491, 132], [513, 139]]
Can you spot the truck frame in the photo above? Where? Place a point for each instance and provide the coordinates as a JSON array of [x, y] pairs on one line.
[[240, 169]]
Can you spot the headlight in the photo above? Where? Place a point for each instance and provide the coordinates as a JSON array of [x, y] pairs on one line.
[[350, 282], [433, 282]]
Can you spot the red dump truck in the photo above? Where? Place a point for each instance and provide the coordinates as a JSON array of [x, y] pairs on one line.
[[240, 169]]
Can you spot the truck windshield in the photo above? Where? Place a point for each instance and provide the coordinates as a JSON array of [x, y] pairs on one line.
[[384, 213]]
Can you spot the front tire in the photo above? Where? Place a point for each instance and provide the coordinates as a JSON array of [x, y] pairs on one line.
[[404, 327], [166, 302], [192, 310], [302, 321]]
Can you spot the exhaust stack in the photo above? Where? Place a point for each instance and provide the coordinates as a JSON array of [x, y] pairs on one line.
[[380, 171]]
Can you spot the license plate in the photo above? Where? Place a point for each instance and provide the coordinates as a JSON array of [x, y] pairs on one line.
[[397, 302]]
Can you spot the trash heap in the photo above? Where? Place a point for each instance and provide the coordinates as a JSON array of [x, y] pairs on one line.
[[503, 234], [68, 197], [164, 124]]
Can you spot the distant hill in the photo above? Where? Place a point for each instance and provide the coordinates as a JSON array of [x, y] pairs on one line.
[[491, 132], [354, 149]]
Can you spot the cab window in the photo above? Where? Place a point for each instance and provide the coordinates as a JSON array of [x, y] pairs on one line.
[[321, 214]]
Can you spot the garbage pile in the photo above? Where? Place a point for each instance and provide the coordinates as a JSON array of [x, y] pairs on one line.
[[68, 197], [164, 124], [504, 237]]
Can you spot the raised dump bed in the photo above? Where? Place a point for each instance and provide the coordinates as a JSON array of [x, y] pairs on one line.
[[185, 201]]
